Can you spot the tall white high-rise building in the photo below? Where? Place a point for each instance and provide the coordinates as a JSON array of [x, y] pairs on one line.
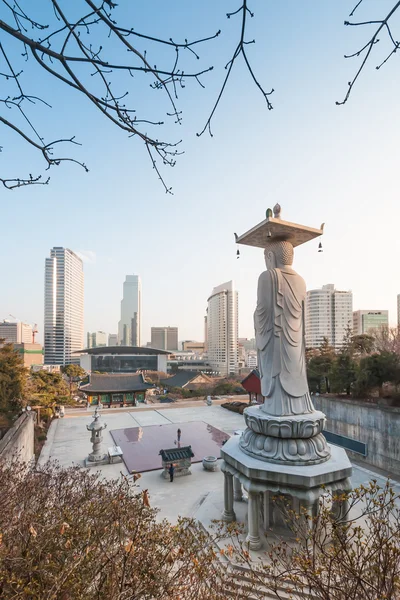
[[329, 314], [222, 329], [63, 307], [130, 324]]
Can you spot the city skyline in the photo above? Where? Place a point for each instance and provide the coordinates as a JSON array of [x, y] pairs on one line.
[[315, 165], [392, 321]]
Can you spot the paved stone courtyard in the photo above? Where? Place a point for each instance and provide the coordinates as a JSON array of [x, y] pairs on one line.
[[200, 494]]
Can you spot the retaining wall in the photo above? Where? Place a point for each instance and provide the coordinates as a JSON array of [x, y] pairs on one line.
[[19, 440], [376, 426]]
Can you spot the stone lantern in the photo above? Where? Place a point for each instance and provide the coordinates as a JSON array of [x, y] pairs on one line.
[[96, 457]]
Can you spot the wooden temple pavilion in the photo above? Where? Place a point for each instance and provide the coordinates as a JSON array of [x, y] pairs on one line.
[[116, 390]]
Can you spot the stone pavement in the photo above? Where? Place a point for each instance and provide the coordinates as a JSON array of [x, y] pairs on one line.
[[200, 494]]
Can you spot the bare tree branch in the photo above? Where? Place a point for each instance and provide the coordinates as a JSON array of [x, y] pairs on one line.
[[84, 46], [66, 48], [366, 50], [239, 50]]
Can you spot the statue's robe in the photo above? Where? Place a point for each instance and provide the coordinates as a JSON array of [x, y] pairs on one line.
[[279, 327]]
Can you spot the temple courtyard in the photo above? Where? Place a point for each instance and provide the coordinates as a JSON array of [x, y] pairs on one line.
[[199, 495]]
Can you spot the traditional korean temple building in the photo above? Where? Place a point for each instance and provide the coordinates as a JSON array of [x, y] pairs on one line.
[[116, 390], [189, 380]]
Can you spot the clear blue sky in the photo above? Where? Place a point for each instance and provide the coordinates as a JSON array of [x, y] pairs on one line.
[[321, 162]]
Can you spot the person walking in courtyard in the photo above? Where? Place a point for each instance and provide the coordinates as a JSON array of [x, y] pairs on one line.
[[179, 433], [171, 472]]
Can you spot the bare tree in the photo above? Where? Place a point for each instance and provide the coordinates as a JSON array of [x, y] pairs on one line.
[[70, 534], [82, 45], [79, 52], [386, 339]]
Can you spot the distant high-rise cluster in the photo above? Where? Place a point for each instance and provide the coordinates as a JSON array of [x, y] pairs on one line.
[[129, 326], [222, 329], [96, 339], [63, 307], [329, 314]]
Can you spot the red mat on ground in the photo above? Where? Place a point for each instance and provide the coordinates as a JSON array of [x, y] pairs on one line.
[[141, 445]]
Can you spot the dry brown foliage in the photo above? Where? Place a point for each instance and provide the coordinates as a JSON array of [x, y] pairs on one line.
[[67, 534]]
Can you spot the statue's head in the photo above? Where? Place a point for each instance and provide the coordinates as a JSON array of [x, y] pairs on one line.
[[278, 254]]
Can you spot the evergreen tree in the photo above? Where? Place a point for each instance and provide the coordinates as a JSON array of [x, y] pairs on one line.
[[13, 377]]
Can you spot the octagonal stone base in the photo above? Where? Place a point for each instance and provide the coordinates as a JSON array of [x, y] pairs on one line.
[[302, 485], [285, 478]]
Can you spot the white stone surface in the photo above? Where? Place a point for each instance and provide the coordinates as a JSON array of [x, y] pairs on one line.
[[200, 495], [68, 441], [152, 417]]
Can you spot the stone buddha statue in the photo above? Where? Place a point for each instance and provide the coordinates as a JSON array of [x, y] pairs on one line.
[[279, 329]]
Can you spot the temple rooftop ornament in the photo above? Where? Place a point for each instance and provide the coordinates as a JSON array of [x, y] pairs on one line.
[[274, 228]]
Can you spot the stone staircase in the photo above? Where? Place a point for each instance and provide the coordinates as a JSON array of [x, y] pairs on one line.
[[241, 584]]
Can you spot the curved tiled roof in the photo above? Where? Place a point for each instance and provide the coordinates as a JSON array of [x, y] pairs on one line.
[[182, 378], [176, 453], [116, 383]]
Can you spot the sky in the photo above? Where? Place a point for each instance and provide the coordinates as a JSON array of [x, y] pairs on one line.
[[323, 163]]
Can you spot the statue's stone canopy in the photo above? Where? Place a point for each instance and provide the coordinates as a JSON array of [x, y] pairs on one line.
[[274, 228]]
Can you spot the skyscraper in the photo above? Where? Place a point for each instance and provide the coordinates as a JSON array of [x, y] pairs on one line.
[[129, 326], [63, 307], [222, 329], [366, 320], [329, 314], [113, 339], [164, 338]]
